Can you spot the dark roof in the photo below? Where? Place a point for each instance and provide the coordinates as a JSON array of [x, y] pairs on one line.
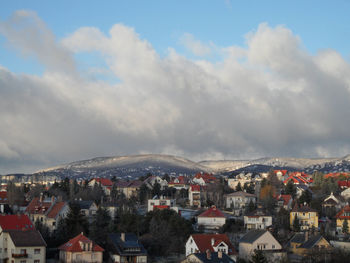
[[27, 238], [303, 208], [298, 238], [312, 241], [252, 235], [214, 258], [84, 204], [131, 245]]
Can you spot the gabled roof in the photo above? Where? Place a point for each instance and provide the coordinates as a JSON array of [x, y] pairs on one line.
[[340, 214], [84, 204], [312, 241], [344, 183], [212, 212], [37, 207], [129, 246], [303, 208], [56, 209], [252, 235], [15, 222], [103, 181], [204, 242], [213, 258], [28, 238], [241, 193], [126, 184], [73, 245], [298, 238]]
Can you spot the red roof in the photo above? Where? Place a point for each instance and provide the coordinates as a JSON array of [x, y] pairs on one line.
[[344, 183], [73, 245], [196, 188], [286, 198], [282, 171], [56, 209], [3, 197], [204, 242], [37, 207], [336, 175], [212, 212], [16, 222], [161, 207], [103, 181], [341, 212]]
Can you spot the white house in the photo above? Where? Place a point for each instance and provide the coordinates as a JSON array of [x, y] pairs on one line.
[[194, 195], [152, 180], [260, 240], [238, 201], [200, 243], [211, 219], [346, 193], [105, 183], [162, 203], [257, 219]]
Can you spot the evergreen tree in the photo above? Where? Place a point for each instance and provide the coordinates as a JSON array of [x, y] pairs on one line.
[[156, 189], [306, 197], [100, 225], [345, 228], [290, 189], [239, 187], [76, 222], [258, 257]]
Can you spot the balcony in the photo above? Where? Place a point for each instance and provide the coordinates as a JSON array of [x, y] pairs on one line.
[[21, 255]]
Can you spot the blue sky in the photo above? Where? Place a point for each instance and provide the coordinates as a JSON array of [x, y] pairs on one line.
[[199, 79], [320, 24]]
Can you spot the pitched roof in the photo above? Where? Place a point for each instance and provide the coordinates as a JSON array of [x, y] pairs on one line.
[[286, 198], [129, 246], [298, 238], [103, 181], [241, 193], [340, 214], [312, 241], [252, 235], [37, 207], [212, 212], [204, 242], [28, 238], [55, 209], [73, 245], [303, 208], [84, 204], [15, 222], [213, 258]]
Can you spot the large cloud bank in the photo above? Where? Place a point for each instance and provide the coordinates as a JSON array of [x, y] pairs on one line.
[[268, 98]]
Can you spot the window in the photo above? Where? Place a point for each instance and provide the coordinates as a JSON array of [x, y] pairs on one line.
[[53, 223], [37, 261], [37, 251], [273, 246], [23, 251]]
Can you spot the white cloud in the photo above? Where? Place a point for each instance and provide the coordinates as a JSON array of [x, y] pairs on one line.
[[267, 99], [195, 46]]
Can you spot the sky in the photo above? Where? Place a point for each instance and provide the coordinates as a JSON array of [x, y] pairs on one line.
[[205, 80]]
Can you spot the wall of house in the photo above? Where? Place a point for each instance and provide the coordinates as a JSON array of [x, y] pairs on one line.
[[85, 256], [261, 222], [191, 246], [211, 222], [306, 219], [30, 251]]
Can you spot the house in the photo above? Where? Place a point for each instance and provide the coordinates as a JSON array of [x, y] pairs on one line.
[[301, 188], [129, 188], [302, 244], [4, 203], [346, 194], [105, 183], [81, 249], [200, 243], [88, 208], [284, 201], [298, 178], [125, 247], [257, 219], [47, 210], [162, 203], [242, 178], [280, 174], [204, 179], [333, 203], [343, 214], [111, 208], [19, 241], [194, 195], [308, 217], [260, 240], [151, 180], [211, 219], [181, 182], [208, 257], [344, 184], [238, 201]]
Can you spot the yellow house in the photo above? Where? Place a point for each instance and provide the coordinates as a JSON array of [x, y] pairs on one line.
[[343, 215], [302, 245], [307, 217]]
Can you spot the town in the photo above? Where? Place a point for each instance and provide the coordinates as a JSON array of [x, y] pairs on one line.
[[278, 216]]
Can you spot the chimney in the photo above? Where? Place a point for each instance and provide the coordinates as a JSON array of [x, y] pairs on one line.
[[41, 198], [219, 254], [122, 237], [212, 241], [306, 236], [208, 254], [52, 199]]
